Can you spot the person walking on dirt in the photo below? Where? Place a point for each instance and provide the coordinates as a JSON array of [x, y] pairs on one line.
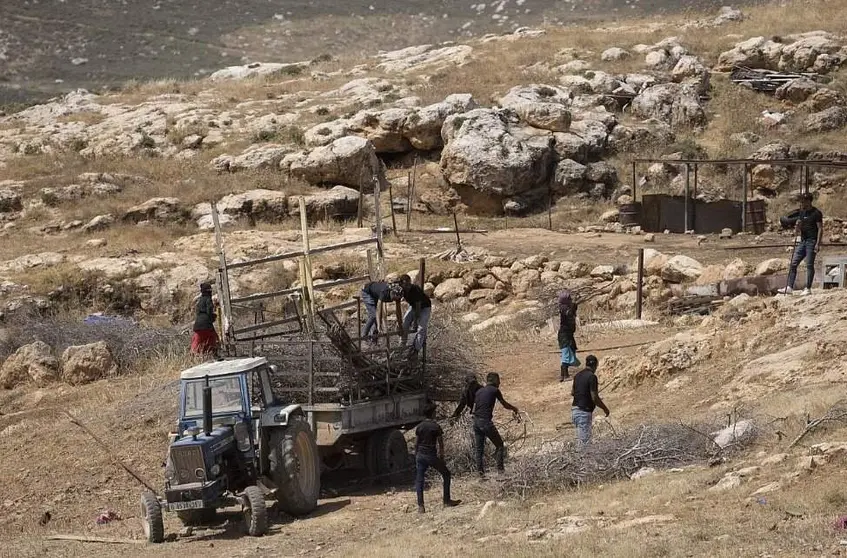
[[468, 396], [429, 452], [419, 312], [586, 397], [483, 424], [809, 227], [567, 329], [374, 294], [205, 338]]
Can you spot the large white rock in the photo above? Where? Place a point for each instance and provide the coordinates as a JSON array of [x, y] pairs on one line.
[[771, 266], [614, 54], [680, 269], [259, 204], [30, 363], [540, 106], [450, 289], [733, 433], [255, 69], [160, 210], [422, 127], [486, 151], [259, 156], [673, 103], [347, 161], [339, 202], [86, 363]]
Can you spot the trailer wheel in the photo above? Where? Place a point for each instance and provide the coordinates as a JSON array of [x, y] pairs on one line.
[[198, 517], [151, 518], [387, 455], [296, 468], [255, 512]]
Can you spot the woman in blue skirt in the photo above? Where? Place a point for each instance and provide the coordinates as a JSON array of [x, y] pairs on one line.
[[567, 329]]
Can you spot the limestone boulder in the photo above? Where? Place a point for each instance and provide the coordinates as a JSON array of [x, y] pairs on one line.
[[833, 118], [486, 151], [383, 128], [654, 261], [680, 269], [673, 103], [797, 90], [259, 204], [451, 289], [756, 52], [540, 106], [262, 156], [337, 203], [771, 266], [82, 364], [345, 161], [422, 127], [30, 363], [99, 223], [158, 210], [569, 178], [614, 54], [10, 201], [736, 269]]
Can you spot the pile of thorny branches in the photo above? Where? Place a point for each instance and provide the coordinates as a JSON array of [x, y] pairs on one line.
[[613, 456], [561, 464]]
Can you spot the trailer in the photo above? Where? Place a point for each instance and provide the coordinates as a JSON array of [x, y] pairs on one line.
[[358, 396]]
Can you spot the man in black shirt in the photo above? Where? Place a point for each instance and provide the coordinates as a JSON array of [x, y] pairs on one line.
[[420, 310], [483, 425], [376, 293], [468, 396], [809, 227], [429, 452], [586, 397]]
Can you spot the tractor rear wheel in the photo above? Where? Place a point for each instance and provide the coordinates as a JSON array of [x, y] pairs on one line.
[[198, 517], [151, 518], [387, 455], [295, 467], [254, 510]]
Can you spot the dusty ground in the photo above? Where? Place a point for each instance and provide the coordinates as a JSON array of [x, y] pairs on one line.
[[135, 40], [49, 465]]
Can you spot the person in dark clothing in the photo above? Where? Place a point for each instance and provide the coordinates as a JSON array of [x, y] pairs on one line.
[[483, 425], [468, 396], [586, 397], [429, 452], [205, 338], [809, 227], [567, 329], [419, 312], [374, 294]]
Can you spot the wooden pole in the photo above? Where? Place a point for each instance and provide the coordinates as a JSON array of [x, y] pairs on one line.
[[694, 200], [549, 207], [744, 186], [308, 287], [421, 272], [391, 201], [456, 228], [378, 220], [413, 188], [639, 284], [687, 194], [634, 185], [409, 201], [360, 209]]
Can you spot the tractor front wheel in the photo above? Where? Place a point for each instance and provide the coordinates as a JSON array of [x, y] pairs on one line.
[[151, 518], [255, 512]]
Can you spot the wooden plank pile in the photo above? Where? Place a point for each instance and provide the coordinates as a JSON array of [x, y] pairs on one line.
[[765, 81]]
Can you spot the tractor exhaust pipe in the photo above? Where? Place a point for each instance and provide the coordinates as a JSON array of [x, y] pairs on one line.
[[207, 409]]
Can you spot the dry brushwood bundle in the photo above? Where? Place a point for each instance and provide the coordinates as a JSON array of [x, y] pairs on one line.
[[459, 442], [616, 456]]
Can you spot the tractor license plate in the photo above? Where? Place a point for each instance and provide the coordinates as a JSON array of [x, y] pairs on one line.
[[192, 505]]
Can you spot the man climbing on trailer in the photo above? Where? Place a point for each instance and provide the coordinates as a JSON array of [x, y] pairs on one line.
[[483, 424], [374, 295], [429, 452], [809, 227], [205, 338], [419, 312]]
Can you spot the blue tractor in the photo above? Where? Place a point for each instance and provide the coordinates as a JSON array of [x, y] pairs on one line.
[[235, 443]]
